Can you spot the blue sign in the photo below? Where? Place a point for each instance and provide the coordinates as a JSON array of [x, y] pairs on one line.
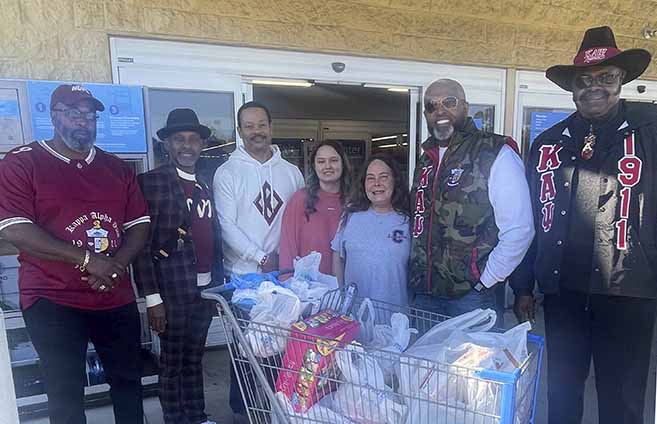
[[120, 127], [9, 108], [541, 121]]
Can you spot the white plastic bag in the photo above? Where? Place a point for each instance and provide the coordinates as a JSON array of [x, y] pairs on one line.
[[391, 340], [245, 297], [366, 317], [365, 398], [318, 413], [276, 309], [454, 350], [307, 268], [494, 351], [310, 284], [431, 344]]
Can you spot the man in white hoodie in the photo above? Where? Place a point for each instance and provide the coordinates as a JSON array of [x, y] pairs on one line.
[[251, 190]]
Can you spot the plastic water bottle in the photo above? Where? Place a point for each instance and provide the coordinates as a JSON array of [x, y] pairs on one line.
[[348, 299]]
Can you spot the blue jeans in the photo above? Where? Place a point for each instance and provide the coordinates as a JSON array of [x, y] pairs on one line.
[[453, 306]]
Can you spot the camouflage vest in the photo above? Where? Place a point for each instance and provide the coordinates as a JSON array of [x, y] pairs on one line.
[[451, 245]]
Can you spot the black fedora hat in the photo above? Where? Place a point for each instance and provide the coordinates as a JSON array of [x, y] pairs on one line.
[[183, 120], [599, 49]]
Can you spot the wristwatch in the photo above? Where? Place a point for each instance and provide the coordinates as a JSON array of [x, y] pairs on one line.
[[479, 286], [263, 261]]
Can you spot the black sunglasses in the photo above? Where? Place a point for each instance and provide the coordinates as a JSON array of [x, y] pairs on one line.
[[607, 79], [448, 102]]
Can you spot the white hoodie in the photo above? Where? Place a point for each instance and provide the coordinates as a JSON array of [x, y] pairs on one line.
[[250, 198]]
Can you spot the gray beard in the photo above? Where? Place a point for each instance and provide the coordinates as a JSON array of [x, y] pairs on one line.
[[75, 144], [443, 133]]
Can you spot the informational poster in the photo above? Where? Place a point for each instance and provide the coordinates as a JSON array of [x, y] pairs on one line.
[[11, 130], [120, 127], [541, 121]]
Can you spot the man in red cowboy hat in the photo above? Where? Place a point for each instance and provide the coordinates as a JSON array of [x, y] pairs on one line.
[[592, 181]]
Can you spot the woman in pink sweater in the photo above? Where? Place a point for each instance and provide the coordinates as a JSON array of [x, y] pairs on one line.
[[312, 215]]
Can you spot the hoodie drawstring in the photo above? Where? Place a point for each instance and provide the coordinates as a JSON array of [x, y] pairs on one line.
[[271, 188]]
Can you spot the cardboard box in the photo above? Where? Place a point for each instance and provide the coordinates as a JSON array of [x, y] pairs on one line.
[[309, 357]]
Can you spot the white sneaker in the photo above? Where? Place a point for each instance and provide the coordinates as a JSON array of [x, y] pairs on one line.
[[209, 422]]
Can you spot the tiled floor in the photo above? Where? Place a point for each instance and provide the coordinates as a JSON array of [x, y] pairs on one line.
[[217, 383]]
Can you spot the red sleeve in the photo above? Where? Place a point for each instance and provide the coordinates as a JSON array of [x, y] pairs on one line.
[[512, 144], [289, 249], [16, 189], [136, 209]]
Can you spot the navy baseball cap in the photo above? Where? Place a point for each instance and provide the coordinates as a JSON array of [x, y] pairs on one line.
[[71, 94]]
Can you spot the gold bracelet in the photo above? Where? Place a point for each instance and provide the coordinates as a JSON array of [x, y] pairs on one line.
[[85, 262]]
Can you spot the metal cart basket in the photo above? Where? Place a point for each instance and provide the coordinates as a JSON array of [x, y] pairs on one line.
[[443, 393]]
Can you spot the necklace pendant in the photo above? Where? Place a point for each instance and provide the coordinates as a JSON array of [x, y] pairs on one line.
[[589, 145], [587, 151]]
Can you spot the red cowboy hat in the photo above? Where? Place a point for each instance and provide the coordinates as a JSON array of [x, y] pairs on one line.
[[599, 49]]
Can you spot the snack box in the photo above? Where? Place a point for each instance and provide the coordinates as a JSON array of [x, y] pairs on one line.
[[309, 359]]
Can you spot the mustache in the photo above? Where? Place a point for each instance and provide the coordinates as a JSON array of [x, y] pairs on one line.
[[593, 93], [81, 134]]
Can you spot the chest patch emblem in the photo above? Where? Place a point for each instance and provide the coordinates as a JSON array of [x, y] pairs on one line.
[[454, 177], [97, 238]]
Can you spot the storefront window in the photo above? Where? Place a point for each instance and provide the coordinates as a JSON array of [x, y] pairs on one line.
[[215, 109], [483, 116], [11, 129], [535, 120]]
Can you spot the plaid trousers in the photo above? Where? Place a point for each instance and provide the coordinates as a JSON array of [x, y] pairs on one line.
[[181, 355]]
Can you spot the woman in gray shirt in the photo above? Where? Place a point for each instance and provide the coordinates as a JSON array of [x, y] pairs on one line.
[[372, 245]]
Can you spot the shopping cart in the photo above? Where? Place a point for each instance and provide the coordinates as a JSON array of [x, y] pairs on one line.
[[445, 394]]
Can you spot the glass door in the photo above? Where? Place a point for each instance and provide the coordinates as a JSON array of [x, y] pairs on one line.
[[215, 99], [536, 113], [539, 105]]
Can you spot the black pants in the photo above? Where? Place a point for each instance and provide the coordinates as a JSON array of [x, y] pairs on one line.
[[60, 335], [181, 368], [617, 333]]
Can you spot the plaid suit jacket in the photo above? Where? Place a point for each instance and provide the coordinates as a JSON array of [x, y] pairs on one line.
[[173, 277]]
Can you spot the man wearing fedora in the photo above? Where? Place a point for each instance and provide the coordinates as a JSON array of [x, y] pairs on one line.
[[182, 257], [592, 181]]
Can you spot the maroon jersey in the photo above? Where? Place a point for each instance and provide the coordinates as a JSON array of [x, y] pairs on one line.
[[202, 229], [88, 203]]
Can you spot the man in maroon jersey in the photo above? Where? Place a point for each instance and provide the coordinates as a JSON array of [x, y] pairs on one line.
[[78, 218], [182, 257]]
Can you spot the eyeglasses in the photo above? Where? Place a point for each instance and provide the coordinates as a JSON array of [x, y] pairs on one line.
[[76, 114], [606, 79], [449, 102]]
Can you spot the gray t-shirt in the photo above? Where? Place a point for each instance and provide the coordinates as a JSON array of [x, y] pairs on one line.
[[375, 248]]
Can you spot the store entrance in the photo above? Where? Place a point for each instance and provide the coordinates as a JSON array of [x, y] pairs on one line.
[[362, 119]]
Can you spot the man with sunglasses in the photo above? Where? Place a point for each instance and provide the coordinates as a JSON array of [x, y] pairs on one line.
[[592, 181], [472, 221], [78, 218]]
